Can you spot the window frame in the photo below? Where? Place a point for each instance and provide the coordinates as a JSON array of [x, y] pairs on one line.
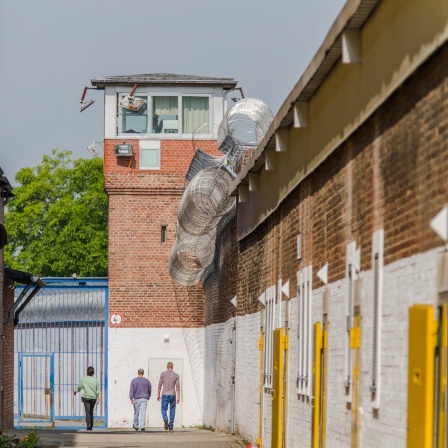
[[149, 95], [149, 144]]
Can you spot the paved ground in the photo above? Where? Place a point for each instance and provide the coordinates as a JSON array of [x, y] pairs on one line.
[[152, 438]]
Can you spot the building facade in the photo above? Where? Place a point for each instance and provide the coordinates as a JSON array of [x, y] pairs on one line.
[[153, 126], [337, 256]]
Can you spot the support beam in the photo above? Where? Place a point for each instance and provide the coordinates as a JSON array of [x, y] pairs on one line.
[[351, 46], [254, 181], [243, 193], [301, 112], [270, 162], [282, 140]]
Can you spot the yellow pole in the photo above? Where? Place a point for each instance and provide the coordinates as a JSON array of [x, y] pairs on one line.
[[277, 388], [316, 383], [442, 388], [422, 344]]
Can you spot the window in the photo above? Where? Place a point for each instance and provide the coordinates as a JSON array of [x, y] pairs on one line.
[[134, 122], [195, 113], [169, 114], [149, 154], [165, 115], [163, 234]]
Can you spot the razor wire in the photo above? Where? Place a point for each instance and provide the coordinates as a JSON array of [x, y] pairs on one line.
[[206, 199]]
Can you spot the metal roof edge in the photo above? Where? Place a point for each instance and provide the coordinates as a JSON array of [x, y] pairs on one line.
[[283, 117]]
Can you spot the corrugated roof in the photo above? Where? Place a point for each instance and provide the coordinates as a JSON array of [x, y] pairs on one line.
[[163, 79]]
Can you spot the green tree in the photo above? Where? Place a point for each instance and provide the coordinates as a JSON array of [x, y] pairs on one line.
[[57, 221]]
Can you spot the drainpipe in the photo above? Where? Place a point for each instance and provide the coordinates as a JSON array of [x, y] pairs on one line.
[[232, 393]]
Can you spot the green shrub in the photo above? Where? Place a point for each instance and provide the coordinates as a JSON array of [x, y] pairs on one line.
[[31, 440]]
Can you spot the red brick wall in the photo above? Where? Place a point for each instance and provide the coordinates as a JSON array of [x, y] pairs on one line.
[[7, 361], [391, 173], [140, 202]]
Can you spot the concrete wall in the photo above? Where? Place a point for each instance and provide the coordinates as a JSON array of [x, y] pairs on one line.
[[134, 348]]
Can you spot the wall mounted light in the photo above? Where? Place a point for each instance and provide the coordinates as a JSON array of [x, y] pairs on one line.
[[124, 149], [166, 337]]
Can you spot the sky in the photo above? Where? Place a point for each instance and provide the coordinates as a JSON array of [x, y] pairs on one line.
[[51, 49]]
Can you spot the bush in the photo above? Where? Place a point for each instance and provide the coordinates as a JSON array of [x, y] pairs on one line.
[[31, 440]]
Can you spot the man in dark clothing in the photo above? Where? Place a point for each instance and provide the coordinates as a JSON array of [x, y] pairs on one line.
[[170, 383], [139, 394]]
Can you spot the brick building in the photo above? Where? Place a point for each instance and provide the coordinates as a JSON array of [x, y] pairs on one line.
[[335, 241], [147, 152], [6, 331]]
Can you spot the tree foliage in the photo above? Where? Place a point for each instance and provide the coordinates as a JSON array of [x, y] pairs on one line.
[[57, 221]]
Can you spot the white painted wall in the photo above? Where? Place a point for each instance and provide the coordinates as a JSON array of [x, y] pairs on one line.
[[132, 348], [406, 282]]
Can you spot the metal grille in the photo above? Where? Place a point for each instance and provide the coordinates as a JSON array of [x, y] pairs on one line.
[[61, 332]]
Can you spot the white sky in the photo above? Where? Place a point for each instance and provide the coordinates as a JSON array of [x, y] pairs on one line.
[[51, 49]]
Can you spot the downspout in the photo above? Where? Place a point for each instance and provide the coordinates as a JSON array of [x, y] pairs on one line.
[[260, 414], [232, 393]]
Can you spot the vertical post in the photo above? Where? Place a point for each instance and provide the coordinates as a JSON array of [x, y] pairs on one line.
[[355, 345], [277, 388], [260, 419], [324, 383], [442, 378], [316, 384], [422, 344]]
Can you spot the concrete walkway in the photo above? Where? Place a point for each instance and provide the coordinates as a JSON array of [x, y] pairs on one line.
[[152, 438]]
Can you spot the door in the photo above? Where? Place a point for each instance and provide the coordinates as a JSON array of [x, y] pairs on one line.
[[36, 379]]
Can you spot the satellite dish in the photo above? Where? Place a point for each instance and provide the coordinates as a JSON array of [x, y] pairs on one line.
[[131, 103]]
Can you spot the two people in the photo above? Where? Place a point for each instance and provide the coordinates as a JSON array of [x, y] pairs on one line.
[[140, 392], [90, 396]]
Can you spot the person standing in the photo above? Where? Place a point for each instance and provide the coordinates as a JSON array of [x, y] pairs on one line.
[[169, 383], [139, 394], [90, 396]]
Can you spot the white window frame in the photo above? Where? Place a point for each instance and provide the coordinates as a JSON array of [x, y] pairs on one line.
[[149, 105], [119, 114], [377, 291], [152, 145], [304, 331], [270, 311]]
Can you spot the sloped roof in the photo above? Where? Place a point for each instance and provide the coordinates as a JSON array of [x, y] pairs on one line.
[[163, 79]]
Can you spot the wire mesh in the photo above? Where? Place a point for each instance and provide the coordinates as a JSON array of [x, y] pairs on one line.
[[206, 199]]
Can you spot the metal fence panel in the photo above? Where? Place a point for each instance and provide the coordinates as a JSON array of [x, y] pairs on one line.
[[61, 332]]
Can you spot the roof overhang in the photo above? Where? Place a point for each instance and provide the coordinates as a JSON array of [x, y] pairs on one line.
[[163, 79], [353, 16]]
